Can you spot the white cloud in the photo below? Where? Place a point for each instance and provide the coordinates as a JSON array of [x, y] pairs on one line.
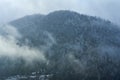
[[9, 47]]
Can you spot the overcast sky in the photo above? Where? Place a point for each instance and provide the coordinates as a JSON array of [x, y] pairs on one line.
[[13, 9]]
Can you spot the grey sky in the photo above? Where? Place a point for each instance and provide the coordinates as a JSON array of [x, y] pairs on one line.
[[13, 9]]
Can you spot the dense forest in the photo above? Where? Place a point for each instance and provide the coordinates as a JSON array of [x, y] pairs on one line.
[[74, 47]]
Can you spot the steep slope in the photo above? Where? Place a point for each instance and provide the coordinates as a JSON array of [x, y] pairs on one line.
[[76, 46]]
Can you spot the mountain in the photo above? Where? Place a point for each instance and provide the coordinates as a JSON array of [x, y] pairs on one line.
[[76, 46]]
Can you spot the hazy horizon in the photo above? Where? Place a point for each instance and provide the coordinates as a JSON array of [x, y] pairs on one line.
[[106, 9]]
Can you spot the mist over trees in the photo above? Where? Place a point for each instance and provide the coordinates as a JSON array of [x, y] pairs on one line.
[[73, 47]]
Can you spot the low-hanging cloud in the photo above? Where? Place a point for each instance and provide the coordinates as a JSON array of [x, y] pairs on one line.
[[10, 48]]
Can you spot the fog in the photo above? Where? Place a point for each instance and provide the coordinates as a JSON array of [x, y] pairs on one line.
[[13, 9], [88, 62], [9, 47]]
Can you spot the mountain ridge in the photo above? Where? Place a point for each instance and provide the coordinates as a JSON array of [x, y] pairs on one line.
[[76, 46]]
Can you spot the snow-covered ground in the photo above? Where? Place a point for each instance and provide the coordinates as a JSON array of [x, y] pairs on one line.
[[33, 76]]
